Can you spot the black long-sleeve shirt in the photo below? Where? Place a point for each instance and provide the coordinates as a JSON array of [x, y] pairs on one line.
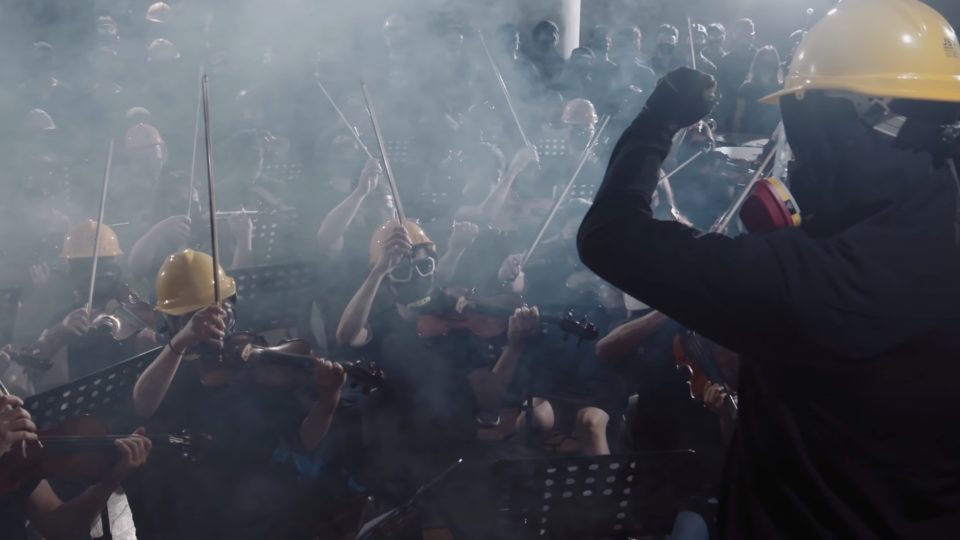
[[848, 416]]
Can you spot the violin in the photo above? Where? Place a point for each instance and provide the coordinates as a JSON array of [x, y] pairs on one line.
[[699, 359], [124, 317], [79, 450], [460, 309], [281, 366]]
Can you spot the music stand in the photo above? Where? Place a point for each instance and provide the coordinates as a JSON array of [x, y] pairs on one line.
[[99, 393], [601, 497], [275, 297], [400, 151], [274, 235], [285, 173], [582, 191], [552, 148]]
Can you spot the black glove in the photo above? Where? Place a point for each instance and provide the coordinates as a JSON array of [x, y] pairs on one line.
[[680, 98]]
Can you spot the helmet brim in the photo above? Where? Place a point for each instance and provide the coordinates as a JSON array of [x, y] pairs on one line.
[[945, 89]]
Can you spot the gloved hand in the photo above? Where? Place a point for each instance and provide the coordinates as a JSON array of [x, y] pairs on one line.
[[681, 98]]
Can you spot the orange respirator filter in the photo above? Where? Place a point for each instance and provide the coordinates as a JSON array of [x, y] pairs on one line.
[[769, 207]]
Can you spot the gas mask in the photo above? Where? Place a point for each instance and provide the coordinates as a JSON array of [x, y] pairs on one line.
[[109, 278], [411, 280], [666, 49], [846, 166], [580, 136]]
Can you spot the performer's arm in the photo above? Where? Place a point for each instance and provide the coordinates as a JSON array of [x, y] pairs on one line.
[[207, 325], [56, 519], [712, 284], [463, 236], [489, 209], [627, 337], [330, 234], [330, 378], [354, 330]]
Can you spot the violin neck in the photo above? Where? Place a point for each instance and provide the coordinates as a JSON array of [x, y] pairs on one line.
[[281, 358], [104, 441]]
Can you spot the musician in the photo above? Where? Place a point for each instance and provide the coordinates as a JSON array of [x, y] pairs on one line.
[[573, 396], [438, 387], [37, 502], [241, 491], [87, 340], [543, 51], [832, 318]]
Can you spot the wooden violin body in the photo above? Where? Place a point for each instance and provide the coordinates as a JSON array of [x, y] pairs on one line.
[[699, 358], [124, 317], [80, 450], [287, 365], [460, 309]]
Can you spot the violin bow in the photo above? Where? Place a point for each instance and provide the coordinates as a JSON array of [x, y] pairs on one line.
[[584, 156], [196, 139], [96, 234], [208, 144], [503, 88], [343, 118], [724, 220], [693, 50], [387, 168]]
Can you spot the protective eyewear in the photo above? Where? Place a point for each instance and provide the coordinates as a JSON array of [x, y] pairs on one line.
[[403, 271]]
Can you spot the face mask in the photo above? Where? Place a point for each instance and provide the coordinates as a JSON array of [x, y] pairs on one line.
[[844, 170], [579, 138], [412, 293], [108, 279], [767, 66], [666, 49]]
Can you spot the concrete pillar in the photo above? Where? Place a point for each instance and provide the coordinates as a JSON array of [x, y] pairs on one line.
[[570, 27]]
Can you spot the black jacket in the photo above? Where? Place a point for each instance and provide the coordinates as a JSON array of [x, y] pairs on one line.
[[849, 423]]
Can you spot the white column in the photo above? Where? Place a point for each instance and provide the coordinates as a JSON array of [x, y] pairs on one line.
[[570, 27]]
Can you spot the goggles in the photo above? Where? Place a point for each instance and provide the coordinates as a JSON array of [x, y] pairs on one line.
[[403, 271]]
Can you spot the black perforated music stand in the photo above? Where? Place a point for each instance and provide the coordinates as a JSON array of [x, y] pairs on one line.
[[274, 297], [552, 148], [274, 236], [284, 173], [595, 498], [99, 393], [9, 304], [582, 191]]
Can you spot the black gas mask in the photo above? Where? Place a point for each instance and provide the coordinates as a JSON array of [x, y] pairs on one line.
[[580, 136], [410, 280], [108, 283], [844, 170], [666, 49]]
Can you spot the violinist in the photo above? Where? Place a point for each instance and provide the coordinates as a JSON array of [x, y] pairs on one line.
[[88, 341], [37, 503], [438, 386], [242, 491], [573, 396], [834, 317]]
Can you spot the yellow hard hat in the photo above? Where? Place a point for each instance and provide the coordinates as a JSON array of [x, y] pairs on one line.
[[158, 12], [579, 111], [417, 238], [78, 244], [142, 136], [185, 283], [879, 48]]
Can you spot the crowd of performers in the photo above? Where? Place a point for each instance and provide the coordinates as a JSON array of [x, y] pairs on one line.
[[449, 316]]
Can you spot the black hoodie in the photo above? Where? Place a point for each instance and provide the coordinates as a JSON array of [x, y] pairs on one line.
[[847, 329]]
